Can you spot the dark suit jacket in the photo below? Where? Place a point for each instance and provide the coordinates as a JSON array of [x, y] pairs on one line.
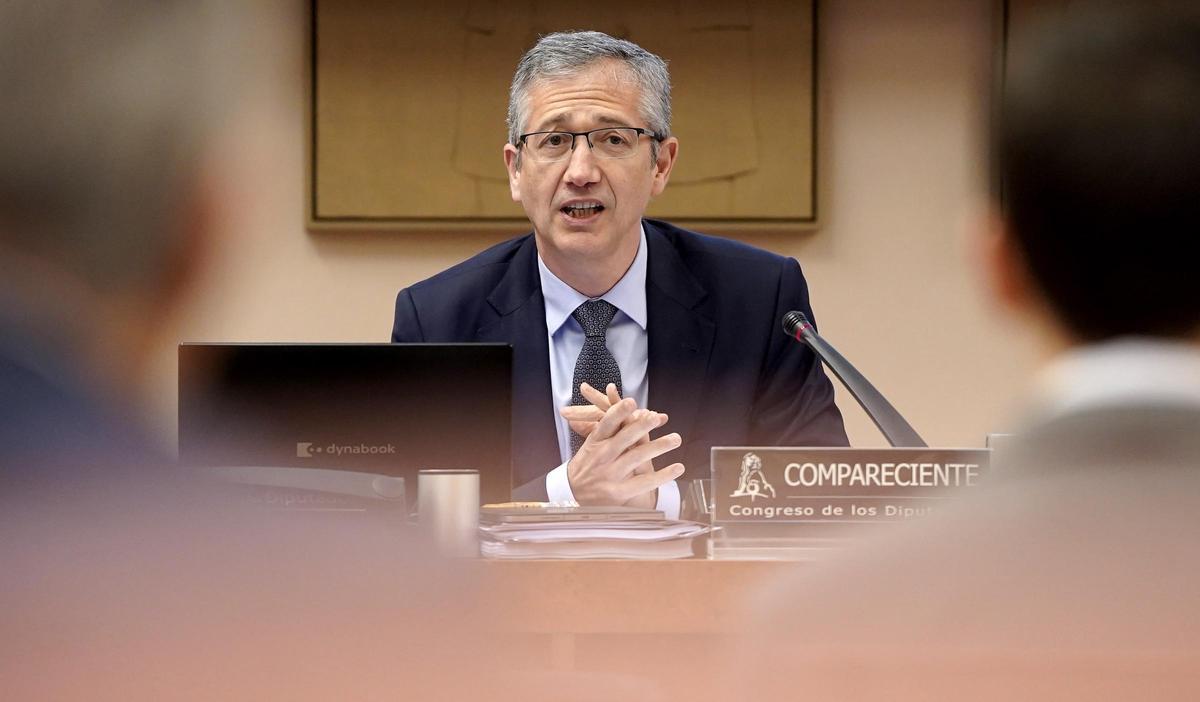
[[719, 363], [57, 438]]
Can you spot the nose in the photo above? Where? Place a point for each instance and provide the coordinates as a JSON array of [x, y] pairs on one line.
[[582, 169]]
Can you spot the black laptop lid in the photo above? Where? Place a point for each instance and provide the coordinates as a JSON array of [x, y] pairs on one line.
[[390, 409]]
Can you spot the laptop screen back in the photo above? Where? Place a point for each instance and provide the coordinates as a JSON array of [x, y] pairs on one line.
[[389, 409]]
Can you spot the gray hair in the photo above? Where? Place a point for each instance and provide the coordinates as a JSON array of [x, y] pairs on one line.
[[109, 108], [565, 54]]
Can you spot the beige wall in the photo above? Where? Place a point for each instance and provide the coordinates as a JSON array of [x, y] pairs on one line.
[[902, 90]]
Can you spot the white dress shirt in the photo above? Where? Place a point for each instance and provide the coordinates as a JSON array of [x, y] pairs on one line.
[[1123, 372], [626, 340]]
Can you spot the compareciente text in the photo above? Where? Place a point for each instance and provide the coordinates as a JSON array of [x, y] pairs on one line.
[[881, 474]]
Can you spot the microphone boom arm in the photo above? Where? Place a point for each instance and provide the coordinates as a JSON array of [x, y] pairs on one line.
[[894, 427]]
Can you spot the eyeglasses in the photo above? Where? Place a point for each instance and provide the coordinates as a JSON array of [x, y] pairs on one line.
[[606, 142]]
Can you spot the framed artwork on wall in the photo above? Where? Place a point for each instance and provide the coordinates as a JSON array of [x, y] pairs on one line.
[[407, 109]]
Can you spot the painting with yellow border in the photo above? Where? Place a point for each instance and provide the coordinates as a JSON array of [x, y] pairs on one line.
[[408, 105]]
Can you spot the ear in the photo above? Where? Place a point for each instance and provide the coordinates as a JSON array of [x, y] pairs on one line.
[[667, 151], [1008, 278], [200, 221], [514, 171]]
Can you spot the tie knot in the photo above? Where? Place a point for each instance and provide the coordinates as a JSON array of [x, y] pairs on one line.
[[594, 316]]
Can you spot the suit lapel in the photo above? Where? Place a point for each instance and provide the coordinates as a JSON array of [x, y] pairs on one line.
[[680, 337], [521, 322]]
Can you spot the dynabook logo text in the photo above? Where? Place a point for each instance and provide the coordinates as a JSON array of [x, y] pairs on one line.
[[305, 449]]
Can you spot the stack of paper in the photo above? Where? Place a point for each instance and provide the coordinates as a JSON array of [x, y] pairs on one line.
[[590, 538]]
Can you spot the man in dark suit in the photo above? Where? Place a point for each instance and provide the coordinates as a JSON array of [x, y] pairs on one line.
[[683, 326], [1072, 573]]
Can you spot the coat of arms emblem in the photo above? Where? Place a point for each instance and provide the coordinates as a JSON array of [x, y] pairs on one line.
[[751, 482]]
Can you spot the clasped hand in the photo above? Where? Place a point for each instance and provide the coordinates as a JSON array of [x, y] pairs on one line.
[[614, 465]]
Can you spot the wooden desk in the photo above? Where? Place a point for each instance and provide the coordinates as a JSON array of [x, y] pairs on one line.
[[626, 597], [563, 604]]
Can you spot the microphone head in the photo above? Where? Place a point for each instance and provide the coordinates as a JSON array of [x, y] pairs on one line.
[[793, 322]]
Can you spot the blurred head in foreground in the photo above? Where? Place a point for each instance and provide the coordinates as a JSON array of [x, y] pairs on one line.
[[113, 120], [120, 132], [1071, 573], [1098, 153]]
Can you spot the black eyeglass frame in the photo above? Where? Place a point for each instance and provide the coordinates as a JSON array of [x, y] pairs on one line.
[[588, 136]]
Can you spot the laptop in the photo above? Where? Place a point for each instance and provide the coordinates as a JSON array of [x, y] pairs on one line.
[[349, 418]]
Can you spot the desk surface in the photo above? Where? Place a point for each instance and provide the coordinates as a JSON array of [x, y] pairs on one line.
[[627, 597]]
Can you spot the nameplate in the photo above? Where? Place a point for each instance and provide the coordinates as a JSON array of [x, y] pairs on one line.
[[838, 485]]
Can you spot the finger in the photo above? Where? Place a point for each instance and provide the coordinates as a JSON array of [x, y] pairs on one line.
[[589, 413], [640, 484], [582, 428], [662, 420], [581, 413], [614, 418], [596, 397], [629, 460], [640, 423], [613, 396]]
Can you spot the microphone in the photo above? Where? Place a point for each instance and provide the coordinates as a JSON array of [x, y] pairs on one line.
[[897, 431]]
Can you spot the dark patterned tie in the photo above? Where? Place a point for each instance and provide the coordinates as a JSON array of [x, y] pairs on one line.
[[595, 365]]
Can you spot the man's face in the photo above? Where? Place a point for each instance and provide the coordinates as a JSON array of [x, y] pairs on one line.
[[556, 196]]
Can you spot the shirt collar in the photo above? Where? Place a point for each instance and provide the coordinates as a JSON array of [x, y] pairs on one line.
[[1124, 371], [628, 295]]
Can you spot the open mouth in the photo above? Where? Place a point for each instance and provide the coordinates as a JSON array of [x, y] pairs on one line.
[[582, 210]]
